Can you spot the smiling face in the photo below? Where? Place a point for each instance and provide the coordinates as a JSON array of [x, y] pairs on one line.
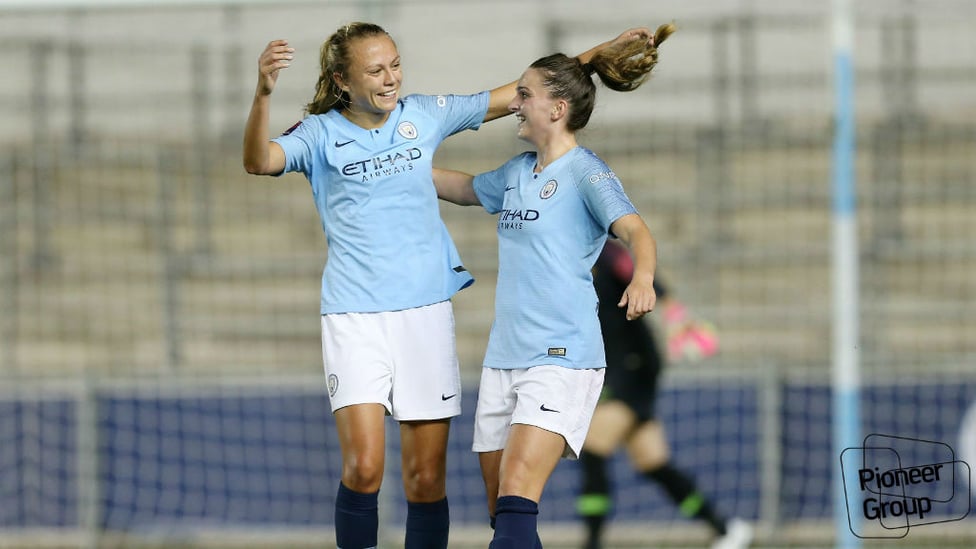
[[372, 80], [533, 107]]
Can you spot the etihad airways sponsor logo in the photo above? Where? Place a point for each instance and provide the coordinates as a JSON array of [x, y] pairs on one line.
[[514, 219], [395, 162]]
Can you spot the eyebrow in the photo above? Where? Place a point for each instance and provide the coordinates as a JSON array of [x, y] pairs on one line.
[[381, 65]]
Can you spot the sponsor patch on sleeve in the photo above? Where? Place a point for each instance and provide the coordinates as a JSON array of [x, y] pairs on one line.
[[291, 129]]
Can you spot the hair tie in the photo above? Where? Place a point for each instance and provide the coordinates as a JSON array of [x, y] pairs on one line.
[[588, 68]]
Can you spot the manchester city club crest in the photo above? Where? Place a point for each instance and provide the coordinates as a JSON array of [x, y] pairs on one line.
[[548, 189], [333, 384], [407, 129]]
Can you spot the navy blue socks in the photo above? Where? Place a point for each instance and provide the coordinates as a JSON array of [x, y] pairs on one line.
[[428, 525], [356, 519], [516, 520]]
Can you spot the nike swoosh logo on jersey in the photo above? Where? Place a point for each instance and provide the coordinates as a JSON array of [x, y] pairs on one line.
[[344, 143], [448, 397], [509, 189], [544, 409]]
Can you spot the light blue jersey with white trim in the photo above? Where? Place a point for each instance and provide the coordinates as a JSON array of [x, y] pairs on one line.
[[388, 247], [551, 228]]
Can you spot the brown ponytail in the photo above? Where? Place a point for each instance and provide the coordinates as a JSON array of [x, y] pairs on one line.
[[626, 66], [623, 67]]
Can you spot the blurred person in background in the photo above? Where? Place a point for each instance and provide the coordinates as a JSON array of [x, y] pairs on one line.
[[387, 321], [625, 415], [544, 365]]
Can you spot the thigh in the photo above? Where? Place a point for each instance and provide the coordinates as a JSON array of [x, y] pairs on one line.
[[423, 447], [529, 457], [612, 422], [648, 446], [362, 440], [361, 428], [426, 381]]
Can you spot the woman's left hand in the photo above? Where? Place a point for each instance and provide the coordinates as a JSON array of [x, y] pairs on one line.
[[639, 297]]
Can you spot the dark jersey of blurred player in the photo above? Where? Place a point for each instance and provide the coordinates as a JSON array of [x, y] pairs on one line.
[[630, 345]]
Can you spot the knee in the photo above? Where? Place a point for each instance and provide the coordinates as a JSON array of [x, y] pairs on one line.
[[424, 484], [363, 473], [650, 459]]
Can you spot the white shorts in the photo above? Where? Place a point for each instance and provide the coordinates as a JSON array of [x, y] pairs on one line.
[[554, 398], [405, 360]]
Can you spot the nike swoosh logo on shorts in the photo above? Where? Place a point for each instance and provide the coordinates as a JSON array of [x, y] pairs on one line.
[[448, 397], [544, 409]]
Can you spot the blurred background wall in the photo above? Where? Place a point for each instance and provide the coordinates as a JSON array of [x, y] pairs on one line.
[[160, 368]]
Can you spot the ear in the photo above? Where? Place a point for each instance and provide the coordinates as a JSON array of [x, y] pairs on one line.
[[559, 109], [340, 82]]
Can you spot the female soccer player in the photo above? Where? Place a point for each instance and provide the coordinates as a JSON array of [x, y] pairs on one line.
[[387, 321], [544, 365]]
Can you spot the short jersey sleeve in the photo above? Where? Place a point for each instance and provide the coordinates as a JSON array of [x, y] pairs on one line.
[[300, 143], [601, 190], [456, 112], [491, 186]]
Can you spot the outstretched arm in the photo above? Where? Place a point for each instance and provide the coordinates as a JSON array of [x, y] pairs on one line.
[[639, 296], [261, 156], [456, 187], [502, 95]]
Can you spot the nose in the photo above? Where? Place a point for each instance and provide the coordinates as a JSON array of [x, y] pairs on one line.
[[514, 105]]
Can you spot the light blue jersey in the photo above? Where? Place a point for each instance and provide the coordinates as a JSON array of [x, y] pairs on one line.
[[388, 247], [551, 228]]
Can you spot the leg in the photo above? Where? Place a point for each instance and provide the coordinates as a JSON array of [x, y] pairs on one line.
[[612, 422], [649, 451], [594, 502], [530, 456], [362, 441], [424, 447], [425, 395], [492, 424], [648, 446], [424, 458], [491, 463]]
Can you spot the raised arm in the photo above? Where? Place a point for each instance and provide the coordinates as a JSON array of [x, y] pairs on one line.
[[456, 187], [639, 296], [502, 95], [260, 155]]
